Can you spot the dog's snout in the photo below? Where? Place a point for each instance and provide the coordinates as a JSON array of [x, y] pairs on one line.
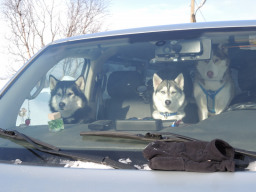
[[61, 105], [167, 102], [210, 74]]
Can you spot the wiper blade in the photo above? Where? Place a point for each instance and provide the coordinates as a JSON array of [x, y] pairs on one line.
[[34, 142], [242, 106], [47, 148], [143, 137], [164, 136], [245, 152]]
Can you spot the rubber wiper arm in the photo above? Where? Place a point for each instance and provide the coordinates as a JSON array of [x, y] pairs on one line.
[[143, 137], [34, 142], [241, 106], [245, 152], [47, 148], [172, 137]]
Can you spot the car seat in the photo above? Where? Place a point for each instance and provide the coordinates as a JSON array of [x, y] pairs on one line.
[[124, 101]]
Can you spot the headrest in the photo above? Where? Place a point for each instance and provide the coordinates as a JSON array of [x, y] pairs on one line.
[[246, 77], [123, 84]]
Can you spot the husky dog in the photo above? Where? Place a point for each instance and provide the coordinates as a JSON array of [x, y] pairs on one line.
[[168, 98], [67, 97], [213, 85]]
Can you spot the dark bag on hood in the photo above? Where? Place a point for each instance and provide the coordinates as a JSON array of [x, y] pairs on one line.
[[198, 156]]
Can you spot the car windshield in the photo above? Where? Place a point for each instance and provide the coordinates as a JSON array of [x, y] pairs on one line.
[[195, 83]]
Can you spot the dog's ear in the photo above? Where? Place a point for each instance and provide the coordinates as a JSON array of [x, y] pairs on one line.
[[223, 49], [180, 80], [80, 83], [220, 50], [156, 81], [52, 81]]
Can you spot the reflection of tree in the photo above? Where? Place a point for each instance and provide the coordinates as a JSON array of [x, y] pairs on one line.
[[33, 24], [71, 66], [67, 67]]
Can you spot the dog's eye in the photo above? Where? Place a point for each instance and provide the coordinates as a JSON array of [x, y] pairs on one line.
[[216, 60], [69, 94], [174, 92], [59, 94], [163, 92]]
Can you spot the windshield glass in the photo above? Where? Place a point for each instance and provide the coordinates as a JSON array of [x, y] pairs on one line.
[[196, 83]]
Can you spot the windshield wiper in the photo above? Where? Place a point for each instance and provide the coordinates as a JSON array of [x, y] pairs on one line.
[[143, 137], [164, 136], [34, 142], [242, 106], [47, 148]]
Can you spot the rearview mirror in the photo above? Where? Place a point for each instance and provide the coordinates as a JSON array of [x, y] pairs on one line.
[[182, 50]]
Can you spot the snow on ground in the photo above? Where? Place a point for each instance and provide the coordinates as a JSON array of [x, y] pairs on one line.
[[252, 166], [125, 161], [88, 165]]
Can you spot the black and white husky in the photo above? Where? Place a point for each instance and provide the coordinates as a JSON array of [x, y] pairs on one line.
[[168, 98], [67, 97]]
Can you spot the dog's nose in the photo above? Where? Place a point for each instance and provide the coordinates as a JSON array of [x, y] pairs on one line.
[[210, 74], [61, 105], [167, 102]]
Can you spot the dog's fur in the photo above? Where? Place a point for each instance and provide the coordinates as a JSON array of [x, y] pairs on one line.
[[67, 97], [213, 77], [168, 98]]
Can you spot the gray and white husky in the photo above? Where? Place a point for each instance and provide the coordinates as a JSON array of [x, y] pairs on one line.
[[67, 97], [213, 85], [168, 98]]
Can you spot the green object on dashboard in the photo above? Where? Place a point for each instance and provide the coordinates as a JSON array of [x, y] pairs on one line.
[[56, 125]]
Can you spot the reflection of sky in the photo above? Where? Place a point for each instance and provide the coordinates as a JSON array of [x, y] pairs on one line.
[[137, 13]]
